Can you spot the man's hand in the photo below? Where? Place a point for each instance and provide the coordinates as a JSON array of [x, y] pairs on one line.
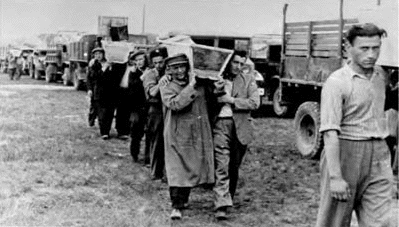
[[193, 81], [226, 99], [90, 93], [165, 80], [219, 87], [339, 189]]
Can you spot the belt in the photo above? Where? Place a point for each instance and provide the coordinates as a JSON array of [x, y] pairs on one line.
[[224, 118]]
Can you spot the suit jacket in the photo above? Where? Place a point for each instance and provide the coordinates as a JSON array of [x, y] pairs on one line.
[[245, 92]]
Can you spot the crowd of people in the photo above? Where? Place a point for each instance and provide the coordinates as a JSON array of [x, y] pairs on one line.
[[197, 129]]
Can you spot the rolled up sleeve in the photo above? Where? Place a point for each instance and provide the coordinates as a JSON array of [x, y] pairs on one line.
[[331, 105]]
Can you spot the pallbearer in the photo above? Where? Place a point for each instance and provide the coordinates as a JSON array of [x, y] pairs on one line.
[[188, 135], [102, 88], [154, 133]]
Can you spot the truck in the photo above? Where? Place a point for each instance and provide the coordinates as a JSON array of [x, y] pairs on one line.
[[56, 61], [110, 29], [36, 63], [3, 56], [79, 55], [311, 51]]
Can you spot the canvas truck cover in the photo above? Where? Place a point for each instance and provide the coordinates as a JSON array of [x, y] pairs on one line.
[[205, 62], [118, 52], [106, 22], [385, 16]]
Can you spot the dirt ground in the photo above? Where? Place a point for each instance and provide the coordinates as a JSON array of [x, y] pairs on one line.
[[56, 171]]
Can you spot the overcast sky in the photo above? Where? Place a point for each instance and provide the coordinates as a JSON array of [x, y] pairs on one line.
[[26, 18]]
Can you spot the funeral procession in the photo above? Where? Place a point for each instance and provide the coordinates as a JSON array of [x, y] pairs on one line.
[[199, 113]]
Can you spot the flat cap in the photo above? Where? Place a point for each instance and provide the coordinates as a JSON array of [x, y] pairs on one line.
[[98, 49], [159, 51], [176, 59], [136, 53]]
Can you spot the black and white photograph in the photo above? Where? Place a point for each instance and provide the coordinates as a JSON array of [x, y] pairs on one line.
[[199, 113]]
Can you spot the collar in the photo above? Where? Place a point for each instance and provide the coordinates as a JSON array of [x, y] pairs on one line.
[[354, 74]]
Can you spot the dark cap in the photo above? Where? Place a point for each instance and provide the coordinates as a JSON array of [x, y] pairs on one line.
[[159, 51], [136, 53], [100, 49], [177, 59]]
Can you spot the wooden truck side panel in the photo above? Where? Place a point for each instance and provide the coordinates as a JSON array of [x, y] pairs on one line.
[[313, 50]]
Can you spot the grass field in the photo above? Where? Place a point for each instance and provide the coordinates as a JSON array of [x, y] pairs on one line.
[[56, 171]]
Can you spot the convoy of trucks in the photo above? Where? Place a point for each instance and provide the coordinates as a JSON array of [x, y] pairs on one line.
[[293, 65]]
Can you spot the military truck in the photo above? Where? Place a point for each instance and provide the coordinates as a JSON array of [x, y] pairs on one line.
[[311, 51], [79, 54], [56, 61], [3, 56]]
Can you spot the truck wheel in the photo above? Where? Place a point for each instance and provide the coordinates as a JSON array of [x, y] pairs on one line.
[[31, 73], [307, 123], [37, 74], [77, 84], [66, 78], [278, 109], [51, 70]]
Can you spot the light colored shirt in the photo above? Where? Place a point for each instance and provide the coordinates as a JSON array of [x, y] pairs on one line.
[[226, 110], [125, 78], [353, 105]]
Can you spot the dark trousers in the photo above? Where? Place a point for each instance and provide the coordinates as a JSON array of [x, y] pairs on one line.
[[13, 73], [229, 153], [156, 144], [137, 122], [105, 117], [147, 149], [93, 111], [179, 196], [123, 112]]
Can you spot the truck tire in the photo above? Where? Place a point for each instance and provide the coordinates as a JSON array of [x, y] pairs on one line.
[[50, 70], [66, 78], [37, 74], [307, 123], [278, 109], [32, 72], [77, 84]]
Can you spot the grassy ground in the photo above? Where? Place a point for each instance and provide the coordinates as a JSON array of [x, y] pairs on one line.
[[55, 171]]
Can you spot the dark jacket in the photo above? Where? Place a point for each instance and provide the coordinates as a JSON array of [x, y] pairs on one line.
[[135, 91], [104, 84]]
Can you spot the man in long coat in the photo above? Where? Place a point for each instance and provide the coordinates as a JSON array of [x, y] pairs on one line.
[[187, 134]]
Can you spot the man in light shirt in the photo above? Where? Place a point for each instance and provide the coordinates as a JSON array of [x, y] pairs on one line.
[[232, 130], [355, 163]]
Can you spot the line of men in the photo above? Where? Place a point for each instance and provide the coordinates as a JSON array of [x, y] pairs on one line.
[[197, 129], [205, 127]]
